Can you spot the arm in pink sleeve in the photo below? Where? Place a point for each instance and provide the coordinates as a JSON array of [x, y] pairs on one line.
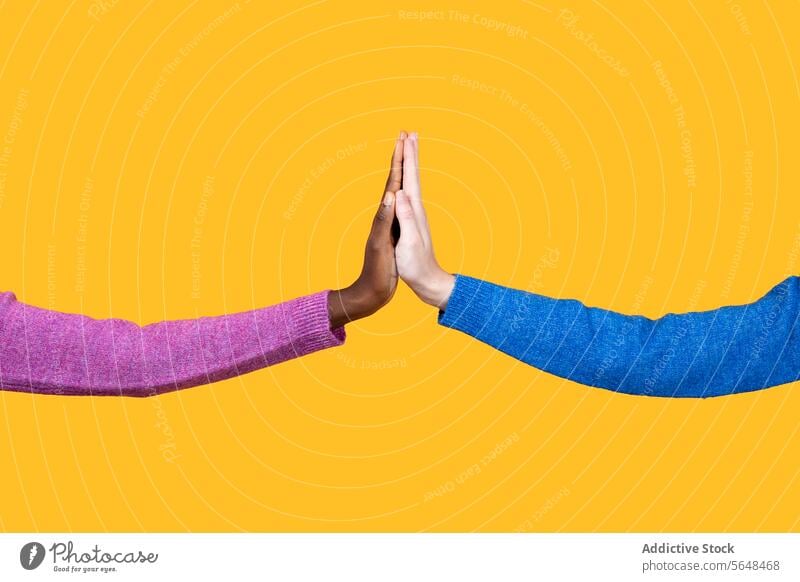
[[50, 352]]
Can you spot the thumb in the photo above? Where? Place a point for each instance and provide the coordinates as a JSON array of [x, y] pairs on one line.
[[406, 217], [382, 224]]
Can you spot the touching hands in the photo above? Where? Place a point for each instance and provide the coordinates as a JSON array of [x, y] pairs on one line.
[[416, 261], [386, 256]]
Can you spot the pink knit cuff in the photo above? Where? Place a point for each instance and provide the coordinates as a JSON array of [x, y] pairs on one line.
[[308, 324]]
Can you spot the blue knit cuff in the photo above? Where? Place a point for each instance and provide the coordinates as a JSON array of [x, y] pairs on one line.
[[471, 305]]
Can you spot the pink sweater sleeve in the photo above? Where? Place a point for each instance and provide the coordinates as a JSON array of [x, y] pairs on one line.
[[50, 352]]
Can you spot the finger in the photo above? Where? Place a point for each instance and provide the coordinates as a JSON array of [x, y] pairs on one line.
[[410, 169], [395, 179], [411, 184], [409, 233], [382, 224]]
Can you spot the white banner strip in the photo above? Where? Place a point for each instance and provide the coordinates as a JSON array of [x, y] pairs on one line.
[[401, 557]]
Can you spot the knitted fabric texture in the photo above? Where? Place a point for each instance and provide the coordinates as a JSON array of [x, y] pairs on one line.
[[51, 352], [691, 355]]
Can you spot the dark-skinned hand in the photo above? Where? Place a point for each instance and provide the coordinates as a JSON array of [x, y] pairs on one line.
[[377, 282]]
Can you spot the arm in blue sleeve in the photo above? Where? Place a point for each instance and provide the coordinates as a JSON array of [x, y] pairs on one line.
[[692, 355]]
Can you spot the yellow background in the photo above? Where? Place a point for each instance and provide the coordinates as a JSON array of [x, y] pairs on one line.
[[176, 159]]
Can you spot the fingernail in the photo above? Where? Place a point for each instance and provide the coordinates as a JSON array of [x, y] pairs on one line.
[[413, 135], [403, 135], [388, 199]]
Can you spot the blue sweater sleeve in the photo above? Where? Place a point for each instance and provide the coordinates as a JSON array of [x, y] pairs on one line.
[[693, 355]]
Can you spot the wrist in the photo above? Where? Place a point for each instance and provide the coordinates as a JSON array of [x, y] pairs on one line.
[[350, 304], [436, 289], [342, 307]]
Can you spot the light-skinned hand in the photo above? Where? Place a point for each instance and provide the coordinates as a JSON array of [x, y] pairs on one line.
[[416, 261]]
